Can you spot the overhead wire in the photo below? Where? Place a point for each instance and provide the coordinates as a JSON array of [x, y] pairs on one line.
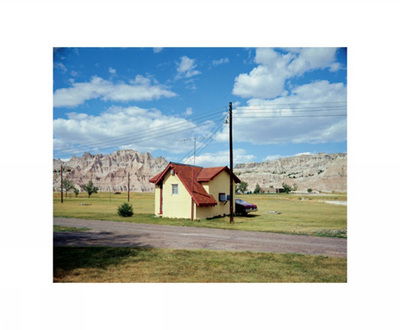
[[207, 141], [154, 129], [141, 137]]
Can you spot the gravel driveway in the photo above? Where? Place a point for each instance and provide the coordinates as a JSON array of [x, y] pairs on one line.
[[111, 233]]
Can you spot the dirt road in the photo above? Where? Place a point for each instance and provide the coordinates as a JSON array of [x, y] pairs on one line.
[[110, 233]]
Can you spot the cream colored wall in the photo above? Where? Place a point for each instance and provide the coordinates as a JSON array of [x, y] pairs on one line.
[[157, 201], [220, 184], [175, 206]]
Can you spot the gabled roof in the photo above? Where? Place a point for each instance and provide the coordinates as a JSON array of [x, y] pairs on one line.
[[191, 177], [209, 173]]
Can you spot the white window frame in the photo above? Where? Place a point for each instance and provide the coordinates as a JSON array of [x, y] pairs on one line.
[[174, 191]]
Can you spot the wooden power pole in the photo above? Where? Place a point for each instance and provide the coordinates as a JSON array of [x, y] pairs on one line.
[[62, 183], [129, 182], [231, 201]]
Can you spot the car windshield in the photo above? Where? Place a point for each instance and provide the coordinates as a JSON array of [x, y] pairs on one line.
[[240, 201]]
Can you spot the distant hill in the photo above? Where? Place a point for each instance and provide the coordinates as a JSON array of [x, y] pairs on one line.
[[320, 172], [110, 172]]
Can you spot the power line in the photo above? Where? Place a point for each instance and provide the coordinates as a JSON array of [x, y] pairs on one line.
[[296, 103], [143, 137], [206, 140], [149, 131], [296, 111], [239, 111], [267, 117]]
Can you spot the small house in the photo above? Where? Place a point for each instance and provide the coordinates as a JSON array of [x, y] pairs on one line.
[[192, 192]]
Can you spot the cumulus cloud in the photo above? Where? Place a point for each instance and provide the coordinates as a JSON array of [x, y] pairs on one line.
[[112, 70], [186, 68], [129, 127], [267, 79], [294, 118], [139, 89], [221, 158], [220, 61]]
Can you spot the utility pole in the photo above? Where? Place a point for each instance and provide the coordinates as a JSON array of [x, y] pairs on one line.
[[62, 181], [230, 165], [194, 163], [62, 184], [129, 182]]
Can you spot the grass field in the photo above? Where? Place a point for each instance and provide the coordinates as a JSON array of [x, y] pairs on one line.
[[103, 264], [299, 214], [69, 229]]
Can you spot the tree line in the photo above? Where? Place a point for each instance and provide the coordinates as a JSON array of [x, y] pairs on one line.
[[90, 188], [286, 188]]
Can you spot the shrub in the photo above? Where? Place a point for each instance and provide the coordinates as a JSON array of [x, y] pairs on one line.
[[309, 190], [125, 210], [286, 188]]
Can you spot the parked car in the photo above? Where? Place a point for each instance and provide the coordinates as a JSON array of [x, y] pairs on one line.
[[243, 208]]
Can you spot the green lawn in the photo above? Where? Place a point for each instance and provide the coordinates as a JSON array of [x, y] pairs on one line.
[[300, 214], [68, 229], [103, 264]]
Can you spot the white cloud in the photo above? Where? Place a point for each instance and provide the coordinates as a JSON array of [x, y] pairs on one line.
[[273, 157], [220, 61], [188, 111], [260, 82], [303, 153], [221, 158], [60, 66], [129, 127], [186, 68], [267, 80], [140, 88], [294, 118], [157, 49], [112, 70]]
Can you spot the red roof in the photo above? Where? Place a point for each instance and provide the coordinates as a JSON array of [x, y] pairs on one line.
[[191, 176], [209, 173]]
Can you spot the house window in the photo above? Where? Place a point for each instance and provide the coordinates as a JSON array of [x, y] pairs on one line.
[[174, 189], [222, 197]]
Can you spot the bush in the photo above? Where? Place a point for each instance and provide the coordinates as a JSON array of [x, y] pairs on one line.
[[309, 190], [125, 210]]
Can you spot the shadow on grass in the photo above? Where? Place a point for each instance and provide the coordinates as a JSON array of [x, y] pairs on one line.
[[82, 239], [74, 250], [69, 258]]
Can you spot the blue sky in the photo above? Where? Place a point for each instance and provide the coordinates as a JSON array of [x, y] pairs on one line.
[[286, 102]]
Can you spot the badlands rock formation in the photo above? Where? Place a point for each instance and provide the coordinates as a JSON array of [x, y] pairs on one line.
[[110, 172], [320, 172]]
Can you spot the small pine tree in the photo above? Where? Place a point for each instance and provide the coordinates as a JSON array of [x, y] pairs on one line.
[[125, 210], [257, 189], [309, 190]]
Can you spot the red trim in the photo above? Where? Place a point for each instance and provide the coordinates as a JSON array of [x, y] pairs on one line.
[[161, 201]]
